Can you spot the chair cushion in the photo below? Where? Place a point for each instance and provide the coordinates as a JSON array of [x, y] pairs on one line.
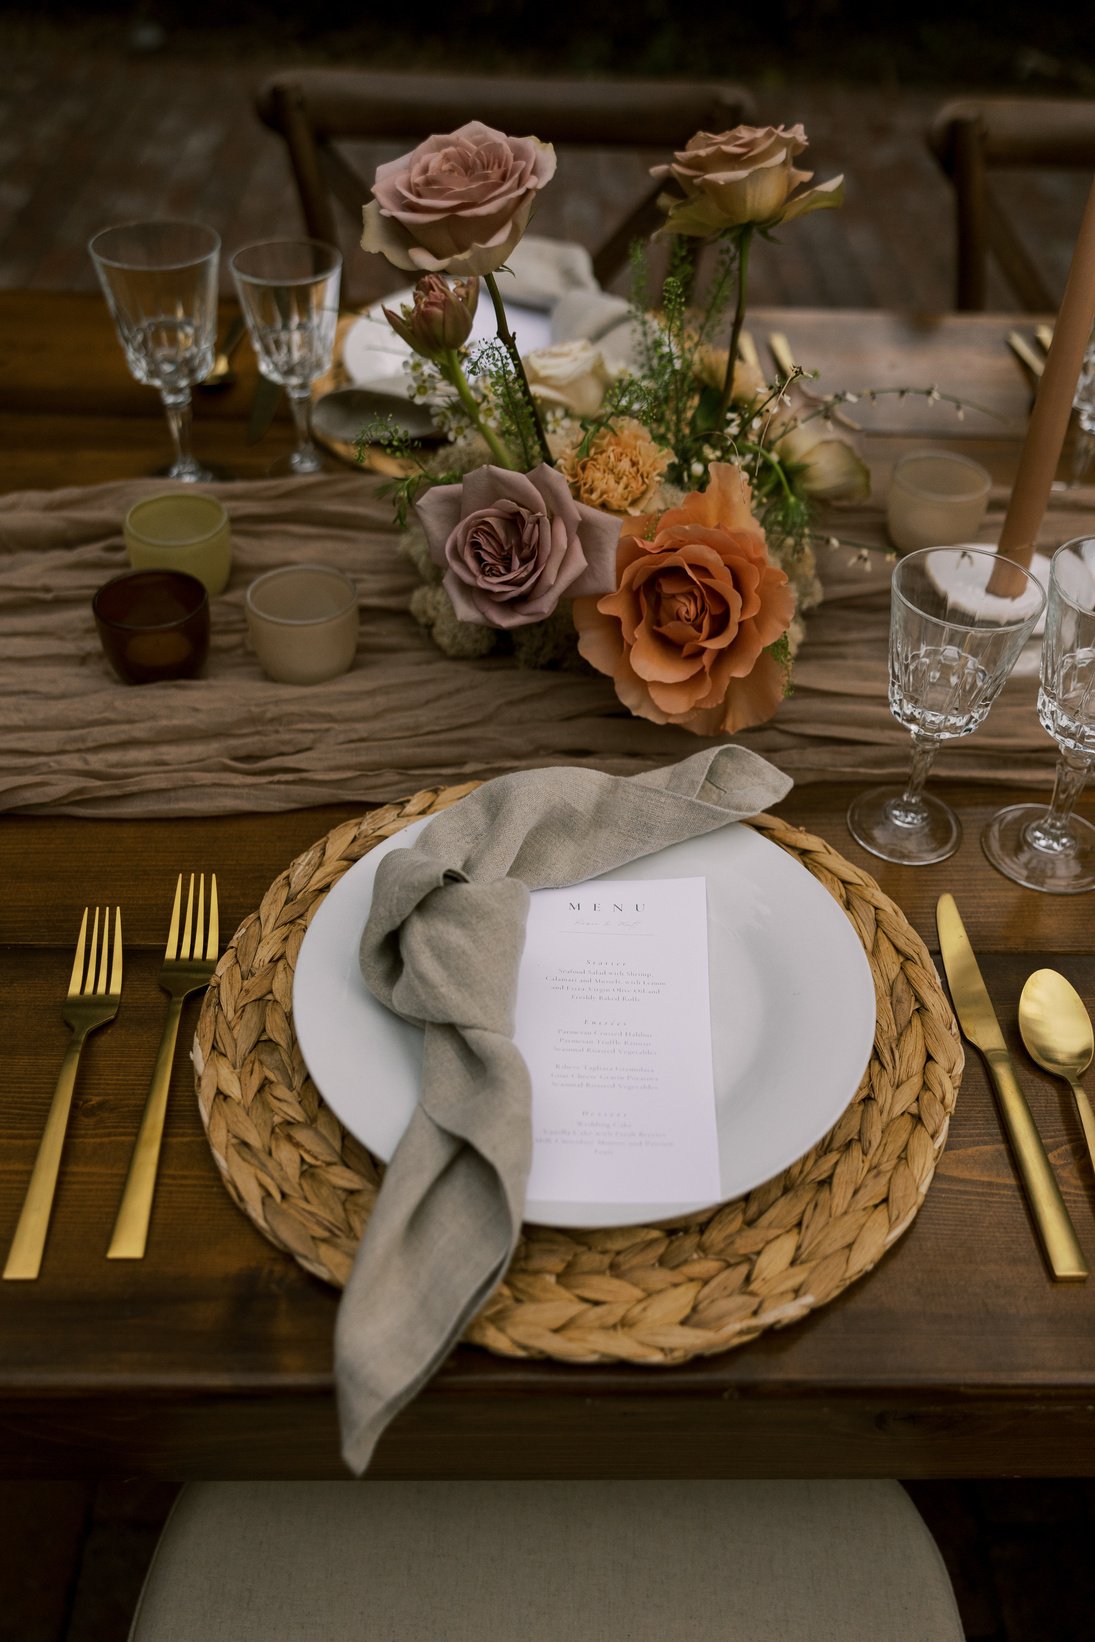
[[546, 1562]]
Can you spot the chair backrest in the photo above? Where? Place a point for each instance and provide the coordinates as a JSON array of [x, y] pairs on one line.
[[316, 110], [974, 136]]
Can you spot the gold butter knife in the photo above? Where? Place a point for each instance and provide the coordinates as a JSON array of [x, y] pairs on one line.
[[780, 349], [1023, 351], [747, 350], [979, 1024]]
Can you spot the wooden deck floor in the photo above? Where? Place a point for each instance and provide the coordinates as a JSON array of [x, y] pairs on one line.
[[93, 136]]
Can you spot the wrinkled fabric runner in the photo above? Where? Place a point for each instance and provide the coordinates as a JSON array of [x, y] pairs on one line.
[[441, 949], [77, 742]]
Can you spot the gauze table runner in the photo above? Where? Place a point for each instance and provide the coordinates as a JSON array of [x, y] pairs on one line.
[[75, 741], [441, 949]]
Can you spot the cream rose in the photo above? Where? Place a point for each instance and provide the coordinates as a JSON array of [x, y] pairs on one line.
[[573, 375], [457, 203], [740, 177]]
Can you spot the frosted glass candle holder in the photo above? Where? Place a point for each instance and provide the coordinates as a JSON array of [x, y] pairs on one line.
[[181, 530], [937, 498], [302, 621]]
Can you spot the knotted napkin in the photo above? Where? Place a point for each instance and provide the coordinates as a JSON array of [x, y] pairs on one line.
[[441, 948]]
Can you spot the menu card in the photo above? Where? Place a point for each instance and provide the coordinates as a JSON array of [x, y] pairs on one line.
[[613, 1019]]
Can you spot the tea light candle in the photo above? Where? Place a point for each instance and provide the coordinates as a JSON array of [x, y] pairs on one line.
[[302, 621], [937, 498], [181, 530]]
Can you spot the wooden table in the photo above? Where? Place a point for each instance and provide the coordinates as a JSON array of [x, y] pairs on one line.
[[212, 1358]]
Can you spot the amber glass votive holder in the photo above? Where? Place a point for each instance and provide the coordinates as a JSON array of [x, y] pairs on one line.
[[153, 625]]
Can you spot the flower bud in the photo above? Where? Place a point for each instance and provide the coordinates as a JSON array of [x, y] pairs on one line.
[[441, 317]]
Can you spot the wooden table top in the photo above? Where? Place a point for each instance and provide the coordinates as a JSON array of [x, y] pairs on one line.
[[212, 1357]]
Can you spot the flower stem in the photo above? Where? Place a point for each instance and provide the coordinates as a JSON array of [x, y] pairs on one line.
[[453, 372], [745, 236], [505, 336]]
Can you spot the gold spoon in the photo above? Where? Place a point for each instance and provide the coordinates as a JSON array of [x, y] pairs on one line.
[[1057, 1032]]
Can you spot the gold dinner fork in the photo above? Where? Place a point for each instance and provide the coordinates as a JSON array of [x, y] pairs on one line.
[[189, 960], [94, 990]]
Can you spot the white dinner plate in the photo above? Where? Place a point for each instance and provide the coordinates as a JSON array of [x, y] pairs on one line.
[[792, 1014], [373, 355]]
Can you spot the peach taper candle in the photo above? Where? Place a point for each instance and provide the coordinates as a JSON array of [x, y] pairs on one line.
[[1052, 407]]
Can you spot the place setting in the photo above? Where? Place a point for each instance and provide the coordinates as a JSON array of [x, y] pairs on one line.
[[647, 665]]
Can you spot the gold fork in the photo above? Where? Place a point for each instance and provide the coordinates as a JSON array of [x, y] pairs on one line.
[[92, 1000], [189, 960]]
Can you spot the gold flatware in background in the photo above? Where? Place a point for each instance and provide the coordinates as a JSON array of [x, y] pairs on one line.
[[1056, 1029], [94, 988], [780, 350], [1023, 351], [1043, 335], [222, 374], [189, 960], [747, 350], [979, 1024]]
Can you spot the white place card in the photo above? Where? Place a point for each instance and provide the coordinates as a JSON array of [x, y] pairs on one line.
[[614, 1022]]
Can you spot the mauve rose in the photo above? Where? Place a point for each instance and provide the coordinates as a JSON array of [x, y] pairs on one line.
[[457, 203], [742, 176], [513, 544]]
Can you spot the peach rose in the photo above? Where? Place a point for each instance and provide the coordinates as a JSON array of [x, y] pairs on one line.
[[747, 175], [685, 635], [457, 203]]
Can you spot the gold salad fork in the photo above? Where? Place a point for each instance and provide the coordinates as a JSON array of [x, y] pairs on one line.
[[189, 960], [94, 989]]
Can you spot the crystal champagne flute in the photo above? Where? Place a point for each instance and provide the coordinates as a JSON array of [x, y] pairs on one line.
[[1054, 849], [160, 284], [952, 645], [288, 290]]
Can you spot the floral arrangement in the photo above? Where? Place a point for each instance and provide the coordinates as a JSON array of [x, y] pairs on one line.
[[654, 522]]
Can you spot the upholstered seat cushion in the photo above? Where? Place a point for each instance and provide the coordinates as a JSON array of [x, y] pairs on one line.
[[546, 1562]]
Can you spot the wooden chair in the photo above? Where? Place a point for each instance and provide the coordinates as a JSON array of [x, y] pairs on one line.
[[974, 136], [316, 111]]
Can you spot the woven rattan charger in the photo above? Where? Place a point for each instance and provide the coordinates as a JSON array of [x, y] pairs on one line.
[[644, 1294]]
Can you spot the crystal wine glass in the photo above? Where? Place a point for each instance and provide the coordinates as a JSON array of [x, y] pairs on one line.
[[160, 283], [1053, 849], [952, 645], [289, 294]]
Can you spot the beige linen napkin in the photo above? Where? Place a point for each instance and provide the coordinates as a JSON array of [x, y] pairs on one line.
[[441, 948]]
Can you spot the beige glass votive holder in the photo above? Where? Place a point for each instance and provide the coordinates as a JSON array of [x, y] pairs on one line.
[[181, 530], [937, 499], [302, 621]]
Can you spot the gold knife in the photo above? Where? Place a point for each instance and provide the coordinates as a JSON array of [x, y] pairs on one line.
[[1023, 351], [979, 1024], [780, 349]]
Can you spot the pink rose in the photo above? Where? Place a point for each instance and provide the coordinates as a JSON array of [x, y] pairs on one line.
[[457, 203], [747, 175], [513, 544]]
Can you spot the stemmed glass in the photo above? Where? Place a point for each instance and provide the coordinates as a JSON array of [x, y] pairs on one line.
[[1054, 850], [160, 283], [288, 290], [952, 645]]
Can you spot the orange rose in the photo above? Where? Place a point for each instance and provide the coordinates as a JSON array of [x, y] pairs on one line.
[[685, 635]]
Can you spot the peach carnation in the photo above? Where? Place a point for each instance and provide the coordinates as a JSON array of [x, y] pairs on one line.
[[620, 471], [684, 637]]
